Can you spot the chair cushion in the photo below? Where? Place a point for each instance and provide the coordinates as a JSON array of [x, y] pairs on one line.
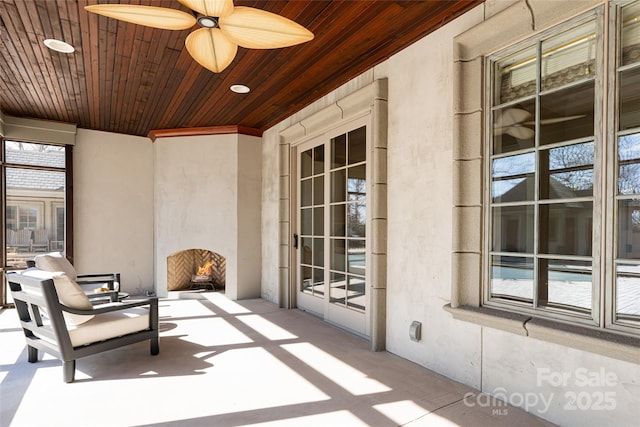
[[110, 325], [56, 261], [69, 293]]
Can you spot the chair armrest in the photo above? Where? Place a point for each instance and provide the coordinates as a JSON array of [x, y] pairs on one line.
[[106, 308], [99, 297]]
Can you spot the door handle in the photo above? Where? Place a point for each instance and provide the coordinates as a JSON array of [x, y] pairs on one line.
[[295, 241]]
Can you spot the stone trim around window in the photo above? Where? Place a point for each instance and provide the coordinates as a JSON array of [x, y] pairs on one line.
[[371, 99], [520, 20]]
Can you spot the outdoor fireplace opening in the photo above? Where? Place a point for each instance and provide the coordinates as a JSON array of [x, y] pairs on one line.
[[196, 269]]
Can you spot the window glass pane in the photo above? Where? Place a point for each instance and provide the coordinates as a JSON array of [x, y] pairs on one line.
[[318, 160], [357, 182], [629, 164], [338, 254], [356, 257], [515, 76], [512, 278], [25, 153], [567, 172], [629, 229], [565, 284], [358, 145], [318, 190], [305, 163], [338, 186], [567, 114], [513, 178], [628, 292], [514, 127], [630, 34], [512, 229], [629, 81], [306, 218], [566, 228], [31, 196], [318, 221], [306, 192], [356, 219], [318, 252], [569, 56], [338, 216], [356, 293], [339, 151]]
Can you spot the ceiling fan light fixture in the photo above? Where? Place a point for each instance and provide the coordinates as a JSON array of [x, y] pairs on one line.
[[59, 46], [208, 22], [240, 89]]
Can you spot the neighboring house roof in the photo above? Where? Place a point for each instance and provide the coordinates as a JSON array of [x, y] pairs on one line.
[[35, 179]]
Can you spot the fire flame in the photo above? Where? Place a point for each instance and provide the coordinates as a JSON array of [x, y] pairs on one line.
[[205, 269]]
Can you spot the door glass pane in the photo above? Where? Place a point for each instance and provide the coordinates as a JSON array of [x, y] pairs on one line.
[[306, 159], [512, 278], [338, 288], [307, 251], [629, 164], [338, 254], [629, 99], [567, 114], [565, 285], [306, 221], [318, 221], [513, 178], [318, 252], [512, 229], [628, 292], [357, 220], [318, 281], [357, 143], [306, 284], [356, 293], [514, 127], [318, 190], [566, 228], [338, 186], [339, 151], [567, 172], [338, 215], [357, 182], [515, 76], [630, 34], [569, 57], [356, 257], [306, 192], [318, 160], [629, 229]]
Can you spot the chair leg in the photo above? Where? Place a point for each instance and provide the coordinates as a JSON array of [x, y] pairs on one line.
[[32, 354], [69, 370], [155, 346]]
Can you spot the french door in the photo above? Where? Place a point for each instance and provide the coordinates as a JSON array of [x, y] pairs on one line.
[[331, 221]]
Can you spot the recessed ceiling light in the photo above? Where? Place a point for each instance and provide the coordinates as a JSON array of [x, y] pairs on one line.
[[59, 46], [240, 89]]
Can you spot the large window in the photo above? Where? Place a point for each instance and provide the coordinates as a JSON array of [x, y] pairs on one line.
[[563, 173], [34, 199]]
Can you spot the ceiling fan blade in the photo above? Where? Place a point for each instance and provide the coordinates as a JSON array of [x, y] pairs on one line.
[[511, 116], [560, 119], [258, 29], [519, 132], [150, 16], [215, 8], [211, 49]]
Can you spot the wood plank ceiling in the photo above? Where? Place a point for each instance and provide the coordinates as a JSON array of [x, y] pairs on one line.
[[131, 79]]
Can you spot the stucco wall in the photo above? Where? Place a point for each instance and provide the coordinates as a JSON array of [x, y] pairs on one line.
[[419, 247], [207, 197], [113, 207]]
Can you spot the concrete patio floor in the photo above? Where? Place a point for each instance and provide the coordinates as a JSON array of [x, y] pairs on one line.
[[244, 363]]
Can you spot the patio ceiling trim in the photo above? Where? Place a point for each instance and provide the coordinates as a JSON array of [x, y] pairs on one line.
[[210, 130]]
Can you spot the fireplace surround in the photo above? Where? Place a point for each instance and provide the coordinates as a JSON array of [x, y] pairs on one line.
[[182, 265]]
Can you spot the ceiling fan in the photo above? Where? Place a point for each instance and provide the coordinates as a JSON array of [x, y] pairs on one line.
[[224, 27], [514, 122]]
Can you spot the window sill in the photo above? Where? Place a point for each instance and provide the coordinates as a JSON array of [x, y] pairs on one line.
[[601, 342]]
